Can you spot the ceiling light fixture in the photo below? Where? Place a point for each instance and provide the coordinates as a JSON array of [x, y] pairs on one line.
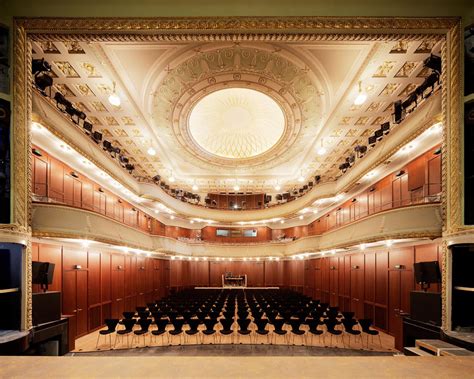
[[172, 217], [282, 221], [236, 187], [361, 97], [171, 178], [388, 243], [195, 187], [277, 187], [114, 99], [301, 217], [151, 151], [301, 177], [321, 150]]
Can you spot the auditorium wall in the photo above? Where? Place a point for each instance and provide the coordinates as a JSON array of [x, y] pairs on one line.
[[98, 284]]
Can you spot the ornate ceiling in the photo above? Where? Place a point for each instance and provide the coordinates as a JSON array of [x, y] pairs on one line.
[[236, 123], [254, 113]]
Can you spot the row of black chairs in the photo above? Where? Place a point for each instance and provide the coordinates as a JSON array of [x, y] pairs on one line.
[[253, 310]]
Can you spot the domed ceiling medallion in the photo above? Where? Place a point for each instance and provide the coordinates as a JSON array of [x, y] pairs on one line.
[[236, 123]]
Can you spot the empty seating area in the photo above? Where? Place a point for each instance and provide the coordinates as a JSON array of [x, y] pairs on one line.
[[212, 316]]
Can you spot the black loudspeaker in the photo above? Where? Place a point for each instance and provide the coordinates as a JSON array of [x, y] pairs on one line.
[[46, 307], [426, 307]]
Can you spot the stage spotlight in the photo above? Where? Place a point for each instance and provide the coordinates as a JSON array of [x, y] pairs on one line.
[[123, 159], [130, 167], [40, 65], [343, 167], [317, 179], [350, 160], [372, 141], [87, 127], [385, 127], [360, 150], [43, 81], [430, 83], [378, 134], [398, 112], [433, 62], [61, 102], [97, 137], [107, 145]]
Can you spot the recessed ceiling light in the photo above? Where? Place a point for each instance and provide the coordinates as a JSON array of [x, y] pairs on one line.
[[172, 179], [172, 217], [195, 187], [151, 151], [315, 211], [191, 221], [362, 246], [157, 211], [301, 217], [236, 188], [282, 221], [301, 178], [388, 243], [277, 187]]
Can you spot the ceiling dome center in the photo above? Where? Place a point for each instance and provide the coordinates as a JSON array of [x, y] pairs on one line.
[[236, 123]]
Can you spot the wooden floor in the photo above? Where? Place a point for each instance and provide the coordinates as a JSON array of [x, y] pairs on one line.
[[89, 341], [238, 367]]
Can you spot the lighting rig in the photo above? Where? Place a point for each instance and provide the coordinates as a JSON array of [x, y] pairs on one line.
[[44, 80], [402, 108]]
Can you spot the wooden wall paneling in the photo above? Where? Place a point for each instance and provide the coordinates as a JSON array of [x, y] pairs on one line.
[[56, 181], [93, 290], [141, 281], [434, 175], [77, 193], [334, 281], [397, 192], [40, 176], [105, 284], [405, 192], [325, 280], [369, 285], [110, 205], [215, 272], [346, 289], [52, 254], [88, 196], [416, 173], [381, 289], [82, 310], [68, 190], [317, 279], [357, 284], [118, 285]]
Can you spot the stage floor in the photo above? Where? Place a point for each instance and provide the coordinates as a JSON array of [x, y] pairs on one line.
[[236, 288]]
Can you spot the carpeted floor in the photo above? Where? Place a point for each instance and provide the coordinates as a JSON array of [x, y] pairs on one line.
[[234, 350]]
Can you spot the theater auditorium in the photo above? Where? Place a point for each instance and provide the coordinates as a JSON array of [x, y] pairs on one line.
[[258, 189]]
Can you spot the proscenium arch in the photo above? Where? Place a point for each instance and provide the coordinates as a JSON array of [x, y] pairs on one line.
[[231, 29]]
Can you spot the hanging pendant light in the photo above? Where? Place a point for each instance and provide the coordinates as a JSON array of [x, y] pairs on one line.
[[114, 99], [361, 97]]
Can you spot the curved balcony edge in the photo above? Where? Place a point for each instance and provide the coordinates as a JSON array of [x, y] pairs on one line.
[[59, 221]]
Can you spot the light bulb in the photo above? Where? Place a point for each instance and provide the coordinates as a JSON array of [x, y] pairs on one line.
[[195, 187], [114, 100], [172, 217], [151, 151], [282, 221], [301, 217], [321, 151], [360, 99], [301, 179], [172, 179], [236, 187], [277, 188]]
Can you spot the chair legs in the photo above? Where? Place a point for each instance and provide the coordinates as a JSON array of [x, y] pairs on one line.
[[110, 340], [243, 335], [122, 336]]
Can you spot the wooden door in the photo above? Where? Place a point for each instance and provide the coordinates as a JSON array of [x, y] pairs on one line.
[[357, 285], [81, 302], [334, 281]]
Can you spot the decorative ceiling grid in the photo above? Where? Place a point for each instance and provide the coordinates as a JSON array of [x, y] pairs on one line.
[[86, 78]]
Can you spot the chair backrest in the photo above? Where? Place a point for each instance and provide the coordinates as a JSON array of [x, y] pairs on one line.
[[144, 324], [111, 323], [295, 324], [330, 324], [144, 314], [140, 309], [129, 323], [278, 323], [365, 323], [243, 323], [178, 324], [313, 323], [226, 323], [348, 323], [261, 323], [128, 315], [348, 315], [161, 323], [194, 323], [209, 323]]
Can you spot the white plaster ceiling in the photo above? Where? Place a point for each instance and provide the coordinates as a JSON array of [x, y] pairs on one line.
[[314, 83]]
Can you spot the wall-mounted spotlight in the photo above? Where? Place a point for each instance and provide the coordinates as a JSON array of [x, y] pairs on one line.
[[398, 112], [130, 167], [385, 127], [97, 137], [87, 126], [433, 62], [360, 150]]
